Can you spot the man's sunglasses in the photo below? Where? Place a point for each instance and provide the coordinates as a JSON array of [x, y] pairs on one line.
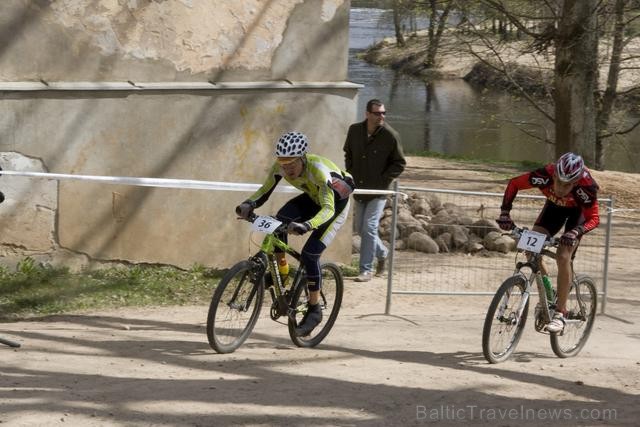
[[378, 113]]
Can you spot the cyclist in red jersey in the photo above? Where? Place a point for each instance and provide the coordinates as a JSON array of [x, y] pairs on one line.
[[572, 202]]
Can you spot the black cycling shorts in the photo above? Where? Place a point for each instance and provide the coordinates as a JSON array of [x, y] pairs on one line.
[[553, 217]]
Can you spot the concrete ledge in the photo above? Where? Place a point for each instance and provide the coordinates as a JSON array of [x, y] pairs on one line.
[[168, 86]]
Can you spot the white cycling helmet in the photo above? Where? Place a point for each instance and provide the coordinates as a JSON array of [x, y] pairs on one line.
[[292, 144], [569, 167]]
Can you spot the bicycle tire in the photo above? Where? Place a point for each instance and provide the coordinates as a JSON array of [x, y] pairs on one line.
[[582, 303], [500, 336], [331, 300], [227, 328]]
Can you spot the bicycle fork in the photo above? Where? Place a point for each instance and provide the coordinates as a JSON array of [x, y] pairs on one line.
[[512, 318]]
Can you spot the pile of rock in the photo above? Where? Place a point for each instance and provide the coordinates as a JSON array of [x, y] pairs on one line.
[[427, 225]]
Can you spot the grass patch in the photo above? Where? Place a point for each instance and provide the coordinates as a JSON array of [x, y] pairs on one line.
[[352, 269], [37, 290]]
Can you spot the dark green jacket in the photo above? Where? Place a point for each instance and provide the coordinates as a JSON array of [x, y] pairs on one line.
[[374, 162]]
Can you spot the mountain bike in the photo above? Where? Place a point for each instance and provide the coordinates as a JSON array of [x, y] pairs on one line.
[[238, 298], [507, 314]]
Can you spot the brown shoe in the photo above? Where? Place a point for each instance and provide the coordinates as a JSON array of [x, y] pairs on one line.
[[364, 277], [382, 263]]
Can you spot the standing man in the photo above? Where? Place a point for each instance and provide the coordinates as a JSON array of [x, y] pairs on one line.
[[373, 156]]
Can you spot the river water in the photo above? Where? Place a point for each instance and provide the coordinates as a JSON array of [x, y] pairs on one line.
[[453, 117]]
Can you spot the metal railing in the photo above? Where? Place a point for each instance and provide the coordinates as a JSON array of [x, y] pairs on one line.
[[460, 267]]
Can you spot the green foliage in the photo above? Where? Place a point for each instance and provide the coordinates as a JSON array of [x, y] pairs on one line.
[[352, 269], [36, 289]]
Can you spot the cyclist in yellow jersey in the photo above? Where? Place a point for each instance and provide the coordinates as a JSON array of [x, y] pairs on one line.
[[322, 208]]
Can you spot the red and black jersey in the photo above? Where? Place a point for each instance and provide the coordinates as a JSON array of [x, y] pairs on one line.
[[583, 196]]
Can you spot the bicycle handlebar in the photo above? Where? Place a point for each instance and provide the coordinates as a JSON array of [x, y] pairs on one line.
[[252, 217]]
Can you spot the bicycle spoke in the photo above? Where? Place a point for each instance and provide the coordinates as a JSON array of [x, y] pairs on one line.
[[234, 309], [330, 301], [505, 320]]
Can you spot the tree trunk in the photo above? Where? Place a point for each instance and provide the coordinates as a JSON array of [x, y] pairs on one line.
[[433, 14], [576, 70], [610, 94], [437, 26], [397, 4]]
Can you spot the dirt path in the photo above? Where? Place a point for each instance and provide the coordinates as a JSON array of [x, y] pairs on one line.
[[422, 364]]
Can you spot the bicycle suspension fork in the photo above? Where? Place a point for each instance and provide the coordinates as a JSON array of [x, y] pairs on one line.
[[523, 300]]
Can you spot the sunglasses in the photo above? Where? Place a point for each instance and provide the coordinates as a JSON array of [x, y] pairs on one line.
[[378, 113], [286, 160]]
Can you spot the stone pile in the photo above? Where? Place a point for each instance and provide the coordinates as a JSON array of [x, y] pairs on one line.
[[427, 225]]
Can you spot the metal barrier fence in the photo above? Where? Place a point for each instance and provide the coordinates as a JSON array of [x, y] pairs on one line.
[[458, 223]]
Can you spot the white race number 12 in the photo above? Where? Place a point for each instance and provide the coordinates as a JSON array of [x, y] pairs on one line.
[[531, 241]]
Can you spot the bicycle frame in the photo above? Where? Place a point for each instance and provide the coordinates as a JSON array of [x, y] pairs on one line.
[[533, 264], [267, 259]]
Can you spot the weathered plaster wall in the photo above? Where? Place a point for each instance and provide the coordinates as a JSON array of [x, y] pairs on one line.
[[215, 135], [28, 214], [159, 40]]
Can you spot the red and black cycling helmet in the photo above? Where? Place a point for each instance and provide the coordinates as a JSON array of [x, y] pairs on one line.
[[569, 167]]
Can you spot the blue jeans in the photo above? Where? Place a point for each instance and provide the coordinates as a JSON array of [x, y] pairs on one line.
[[366, 219]]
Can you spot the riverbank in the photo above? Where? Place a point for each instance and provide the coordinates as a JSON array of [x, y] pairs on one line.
[[458, 59]]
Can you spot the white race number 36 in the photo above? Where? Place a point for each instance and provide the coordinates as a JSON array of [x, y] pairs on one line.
[[265, 224]]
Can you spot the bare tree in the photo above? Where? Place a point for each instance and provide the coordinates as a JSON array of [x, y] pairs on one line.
[[437, 24], [570, 29], [397, 22], [624, 13], [576, 70], [568, 33]]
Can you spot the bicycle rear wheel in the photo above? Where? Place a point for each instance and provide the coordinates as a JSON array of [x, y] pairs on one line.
[[330, 301], [581, 305], [502, 327], [235, 307]]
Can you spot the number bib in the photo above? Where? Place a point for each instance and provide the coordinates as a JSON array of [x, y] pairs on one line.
[[265, 224], [531, 241]]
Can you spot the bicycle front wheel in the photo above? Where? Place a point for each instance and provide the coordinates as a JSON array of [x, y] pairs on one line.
[[502, 325], [235, 307], [330, 301], [581, 307]]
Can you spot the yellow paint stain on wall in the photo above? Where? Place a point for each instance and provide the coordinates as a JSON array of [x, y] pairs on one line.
[[259, 133], [242, 150]]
